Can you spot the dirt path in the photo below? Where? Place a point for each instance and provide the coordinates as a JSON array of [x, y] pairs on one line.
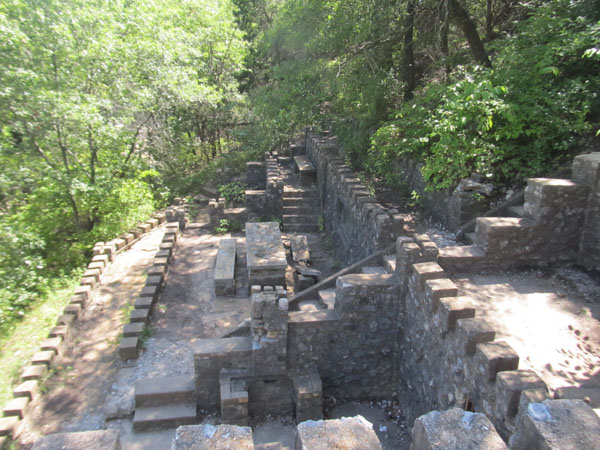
[[75, 392], [551, 319]]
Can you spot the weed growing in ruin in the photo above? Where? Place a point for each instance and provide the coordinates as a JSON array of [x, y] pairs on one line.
[[321, 224], [234, 193], [146, 334]]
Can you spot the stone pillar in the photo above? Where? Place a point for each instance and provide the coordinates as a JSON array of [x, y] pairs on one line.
[[269, 325]]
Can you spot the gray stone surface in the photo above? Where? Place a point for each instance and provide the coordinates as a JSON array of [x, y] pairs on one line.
[[347, 433], [88, 440], [557, 425], [264, 247], [455, 429], [224, 277], [211, 437]]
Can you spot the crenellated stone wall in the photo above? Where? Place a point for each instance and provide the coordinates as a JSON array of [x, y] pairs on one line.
[[357, 223]]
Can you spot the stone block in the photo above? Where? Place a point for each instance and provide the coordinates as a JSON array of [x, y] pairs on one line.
[[29, 389], [161, 261], [586, 169], [144, 227], [66, 319], [44, 357], [98, 265], [51, 344], [471, 332], [88, 281], [129, 348], [133, 329], [494, 357], [212, 437], [154, 281], [163, 254], [153, 222], [73, 309], [139, 315], [167, 246], [79, 299], [10, 426], [169, 239], [308, 397], [34, 372], [143, 303], [454, 308], [457, 430], [437, 288], [86, 291], [427, 271], [348, 433], [509, 385], [159, 271], [224, 275], [150, 291], [61, 331], [16, 407], [557, 425], [234, 397], [88, 440], [93, 273], [102, 259]]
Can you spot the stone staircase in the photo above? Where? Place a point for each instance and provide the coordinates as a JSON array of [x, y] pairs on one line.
[[301, 209], [165, 402]]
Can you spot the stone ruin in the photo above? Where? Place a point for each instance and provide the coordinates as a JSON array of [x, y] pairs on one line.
[[399, 331]]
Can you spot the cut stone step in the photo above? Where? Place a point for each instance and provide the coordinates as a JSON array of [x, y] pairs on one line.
[[298, 209], [372, 270], [164, 390], [327, 296], [312, 219], [305, 227], [170, 416], [294, 201], [460, 257]]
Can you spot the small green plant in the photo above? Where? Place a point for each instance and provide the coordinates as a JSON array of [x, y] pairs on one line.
[[234, 193], [223, 227], [145, 335], [478, 197], [321, 223], [226, 226], [415, 200], [125, 312]]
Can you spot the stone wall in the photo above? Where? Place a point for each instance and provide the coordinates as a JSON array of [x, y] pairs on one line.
[[559, 225], [357, 223], [448, 356], [268, 203], [353, 346]]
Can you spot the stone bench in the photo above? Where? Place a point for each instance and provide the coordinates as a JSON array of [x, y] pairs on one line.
[[308, 175], [225, 267]]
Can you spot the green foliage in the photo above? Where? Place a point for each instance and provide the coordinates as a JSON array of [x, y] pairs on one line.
[[234, 193], [520, 119], [321, 224], [228, 226]]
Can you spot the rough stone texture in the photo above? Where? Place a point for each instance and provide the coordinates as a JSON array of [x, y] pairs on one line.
[[265, 254], [586, 171], [557, 425], [455, 429], [347, 433], [255, 175], [361, 225], [308, 397], [224, 277], [88, 440], [211, 437], [210, 357]]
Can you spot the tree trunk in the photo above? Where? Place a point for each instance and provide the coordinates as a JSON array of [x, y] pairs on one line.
[[444, 30], [460, 14], [409, 51]]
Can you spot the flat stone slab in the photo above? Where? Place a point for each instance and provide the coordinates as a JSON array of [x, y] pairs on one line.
[[88, 440], [303, 164], [221, 346], [211, 437], [225, 267], [348, 433], [264, 247]]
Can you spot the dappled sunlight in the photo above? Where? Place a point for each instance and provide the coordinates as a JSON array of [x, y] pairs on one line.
[[553, 333]]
